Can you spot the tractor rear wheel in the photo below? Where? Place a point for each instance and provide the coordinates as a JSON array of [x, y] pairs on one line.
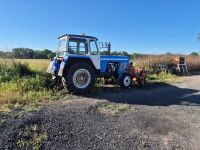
[[80, 78], [125, 80]]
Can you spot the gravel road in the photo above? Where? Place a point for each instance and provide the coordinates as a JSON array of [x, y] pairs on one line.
[[159, 117]]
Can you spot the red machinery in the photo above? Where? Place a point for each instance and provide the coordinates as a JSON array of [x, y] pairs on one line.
[[138, 75]]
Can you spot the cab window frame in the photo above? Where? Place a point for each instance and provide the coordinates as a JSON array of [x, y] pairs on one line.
[[97, 50], [78, 41]]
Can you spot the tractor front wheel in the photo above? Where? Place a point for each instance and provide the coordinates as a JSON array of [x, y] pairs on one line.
[[125, 81]]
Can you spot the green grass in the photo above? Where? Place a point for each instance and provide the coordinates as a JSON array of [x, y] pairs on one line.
[[163, 77], [30, 138], [112, 108], [2, 121], [24, 86]]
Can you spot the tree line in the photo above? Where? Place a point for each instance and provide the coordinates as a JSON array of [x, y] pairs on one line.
[[137, 55], [130, 55], [27, 53]]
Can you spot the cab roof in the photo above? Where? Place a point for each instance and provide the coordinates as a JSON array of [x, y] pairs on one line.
[[78, 36]]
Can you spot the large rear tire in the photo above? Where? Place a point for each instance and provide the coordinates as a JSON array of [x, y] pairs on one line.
[[80, 78], [126, 81]]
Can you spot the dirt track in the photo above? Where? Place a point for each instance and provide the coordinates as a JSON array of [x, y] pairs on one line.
[[160, 117]]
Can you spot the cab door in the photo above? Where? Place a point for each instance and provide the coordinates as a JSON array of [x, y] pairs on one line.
[[95, 56]]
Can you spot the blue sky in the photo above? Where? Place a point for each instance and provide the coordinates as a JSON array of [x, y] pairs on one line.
[[143, 26]]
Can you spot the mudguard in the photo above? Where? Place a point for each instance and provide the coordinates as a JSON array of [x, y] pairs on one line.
[[61, 68], [53, 67]]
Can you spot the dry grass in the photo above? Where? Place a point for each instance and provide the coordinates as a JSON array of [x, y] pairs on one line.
[[147, 62], [34, 64], [193, 63]]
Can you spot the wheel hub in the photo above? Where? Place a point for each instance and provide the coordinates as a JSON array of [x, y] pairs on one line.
[[81, 78], [127, 81]]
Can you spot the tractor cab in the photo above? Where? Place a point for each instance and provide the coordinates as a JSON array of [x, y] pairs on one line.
[[77, 45]]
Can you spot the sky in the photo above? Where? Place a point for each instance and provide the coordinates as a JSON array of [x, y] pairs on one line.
[[142, 26]]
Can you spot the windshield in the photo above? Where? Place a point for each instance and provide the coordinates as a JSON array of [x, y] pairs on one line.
[[62, 46]]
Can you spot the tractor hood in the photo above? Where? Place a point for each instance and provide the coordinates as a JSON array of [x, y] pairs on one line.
[[112, 58]]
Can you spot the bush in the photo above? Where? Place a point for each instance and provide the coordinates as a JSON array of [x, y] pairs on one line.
[[12, 70], [194, 54], [162, 77]]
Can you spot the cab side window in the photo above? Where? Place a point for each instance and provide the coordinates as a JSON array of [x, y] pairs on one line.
[[73, 47], [93, 47]]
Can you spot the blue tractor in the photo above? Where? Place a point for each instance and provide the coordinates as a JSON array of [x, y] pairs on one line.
[[78, 63]]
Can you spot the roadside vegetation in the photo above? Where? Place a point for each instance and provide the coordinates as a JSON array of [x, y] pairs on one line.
[[22, 86], [162, 77]]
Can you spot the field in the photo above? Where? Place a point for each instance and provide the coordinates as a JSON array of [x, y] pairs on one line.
[[36, 115], [35, 64]]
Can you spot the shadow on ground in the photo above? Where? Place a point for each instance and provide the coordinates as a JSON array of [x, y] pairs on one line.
[[152, 94]]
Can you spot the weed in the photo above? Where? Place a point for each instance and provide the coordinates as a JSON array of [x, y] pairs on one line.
[[31, 138], [2, 122], [112, 109], [163, 77]]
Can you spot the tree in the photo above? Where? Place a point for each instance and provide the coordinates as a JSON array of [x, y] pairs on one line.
[[136, 55], [114, 53], [125, 53], [194, 54], [29, 53], [23, 53], [104, 53]]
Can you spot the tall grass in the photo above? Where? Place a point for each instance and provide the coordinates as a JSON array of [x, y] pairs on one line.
[[193, 63], [152, 61], [35, 64], [22, 86]]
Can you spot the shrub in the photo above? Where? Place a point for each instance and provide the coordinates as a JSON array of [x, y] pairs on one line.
[[11, 70]]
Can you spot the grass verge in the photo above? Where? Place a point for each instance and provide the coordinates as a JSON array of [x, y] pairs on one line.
[[21, 86]]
